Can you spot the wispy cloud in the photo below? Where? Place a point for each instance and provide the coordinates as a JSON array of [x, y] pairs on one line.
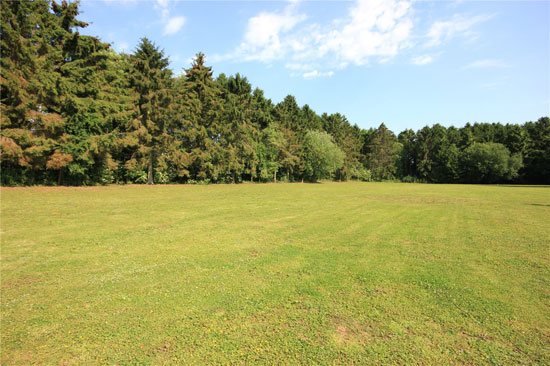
[[316, 74], [173, 25], [487, 63], [422, 60], [459, 24]]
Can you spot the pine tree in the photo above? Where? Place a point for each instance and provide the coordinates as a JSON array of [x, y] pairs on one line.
[[381, 152], [200, 107], [26, 125], [49, 79], [151, 83], [240, 135]]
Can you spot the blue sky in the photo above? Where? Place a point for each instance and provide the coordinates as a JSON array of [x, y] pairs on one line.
[[405, 63]]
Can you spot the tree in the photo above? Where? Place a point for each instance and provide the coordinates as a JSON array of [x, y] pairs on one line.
[[407, 159], [200, 105], [151, 82], [382, 151], [239, 134], [322, 156], [269, 151], [537, 151], [349, 140], [289, 118], [489, 163], [24, 146], [54, 114]]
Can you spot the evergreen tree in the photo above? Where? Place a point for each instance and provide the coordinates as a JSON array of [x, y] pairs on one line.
[[240, 135], [382, 152], [201, 107], [537, 152], [51, 119], [407, 160], [75, 112], [151, 82]]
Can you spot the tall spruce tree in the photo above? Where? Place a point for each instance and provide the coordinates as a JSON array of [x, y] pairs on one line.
[[240, 134], [151, 82], [201, 106], [381, 151]]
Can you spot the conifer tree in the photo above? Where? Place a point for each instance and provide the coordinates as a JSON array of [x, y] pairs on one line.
[[26, 125], [49, 81], [381, 151], [200, 105], [240, 134], [151, 83]]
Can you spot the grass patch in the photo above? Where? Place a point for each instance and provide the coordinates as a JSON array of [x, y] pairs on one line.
[[336, 273]]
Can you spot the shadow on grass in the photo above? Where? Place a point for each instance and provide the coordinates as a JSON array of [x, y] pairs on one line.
[[538, 204]]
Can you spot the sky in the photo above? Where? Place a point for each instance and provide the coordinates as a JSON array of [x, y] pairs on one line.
[[404, 63]]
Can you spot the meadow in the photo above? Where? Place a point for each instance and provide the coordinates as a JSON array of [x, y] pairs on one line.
[[276, 274]]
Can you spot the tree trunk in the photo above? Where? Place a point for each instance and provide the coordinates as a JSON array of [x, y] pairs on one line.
[[288, 176], [275, 177], [150, 179], [59, 176]]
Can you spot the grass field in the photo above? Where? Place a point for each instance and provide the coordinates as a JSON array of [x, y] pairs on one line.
[[334, 273]]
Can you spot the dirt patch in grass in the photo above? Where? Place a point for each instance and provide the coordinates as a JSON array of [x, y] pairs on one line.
[[19, 282]]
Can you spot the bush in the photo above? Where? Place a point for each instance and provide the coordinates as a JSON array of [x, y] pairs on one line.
[[361, 173]]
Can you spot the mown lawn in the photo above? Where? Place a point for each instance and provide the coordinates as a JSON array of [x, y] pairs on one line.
[[333, 273]]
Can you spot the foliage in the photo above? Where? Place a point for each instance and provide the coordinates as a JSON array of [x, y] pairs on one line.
[[490, 163], [322, 156], [151, 83], [74, 112], [381, 151]]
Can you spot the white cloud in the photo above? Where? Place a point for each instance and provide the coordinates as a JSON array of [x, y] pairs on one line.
[[262, 40], [173, 25], [422, 60], [316, 74], [372, 28], [487, 63], [372, 31], [442, 31]]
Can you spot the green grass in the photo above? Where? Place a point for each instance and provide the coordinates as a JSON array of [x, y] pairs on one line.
[[334, 273]]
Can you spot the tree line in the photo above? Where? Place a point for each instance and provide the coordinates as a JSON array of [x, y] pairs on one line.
[[74, 112]]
